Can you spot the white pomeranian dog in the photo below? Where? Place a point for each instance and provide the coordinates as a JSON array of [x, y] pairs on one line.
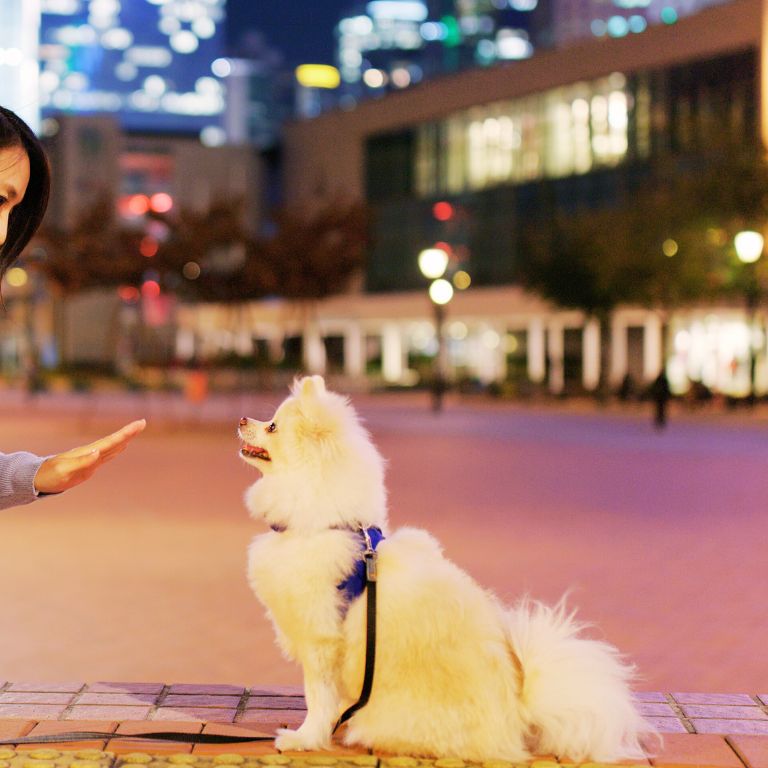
[[457, 673]]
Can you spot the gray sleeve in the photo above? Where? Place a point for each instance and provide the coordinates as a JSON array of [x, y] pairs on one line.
[[17, 478]]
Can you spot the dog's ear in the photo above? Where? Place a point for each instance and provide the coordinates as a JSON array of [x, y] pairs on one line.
[[323, 411], [311, 386]]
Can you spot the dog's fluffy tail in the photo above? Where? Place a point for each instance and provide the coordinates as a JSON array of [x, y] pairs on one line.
[[575, 693]]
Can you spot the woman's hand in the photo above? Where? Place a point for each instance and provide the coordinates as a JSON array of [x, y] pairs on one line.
[[71, 468]]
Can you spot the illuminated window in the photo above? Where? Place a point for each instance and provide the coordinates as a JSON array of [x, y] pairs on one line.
[[554, 134]]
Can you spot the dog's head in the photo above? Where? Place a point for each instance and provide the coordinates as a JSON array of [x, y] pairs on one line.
[[310, 427], [318, 463]]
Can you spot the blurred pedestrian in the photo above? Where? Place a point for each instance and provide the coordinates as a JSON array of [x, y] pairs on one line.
[[25, 182], [661, 394]]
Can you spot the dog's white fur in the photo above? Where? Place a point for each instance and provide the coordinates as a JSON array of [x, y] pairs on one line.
[[457, 673]]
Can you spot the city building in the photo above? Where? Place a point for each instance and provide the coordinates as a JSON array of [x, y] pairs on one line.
[[500, 147], [146, 62], [393, 44], [388, 45], [93, 160]]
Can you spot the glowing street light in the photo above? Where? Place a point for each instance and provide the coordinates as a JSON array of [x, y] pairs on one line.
[[433, 262], [440, 291], [749, 246], [749, 249]]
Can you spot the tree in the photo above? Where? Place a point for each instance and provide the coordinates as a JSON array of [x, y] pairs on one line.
[[665, 242]]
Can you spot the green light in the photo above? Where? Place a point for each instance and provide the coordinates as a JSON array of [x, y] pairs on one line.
[[668, 15], [452, 32]]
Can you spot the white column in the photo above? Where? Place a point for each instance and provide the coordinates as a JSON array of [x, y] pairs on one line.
[[491, 356], [391, 352], [537, 361], [619, 351], [313, 349], [354, 364], [556, 351], [652, 346], [590, 352]]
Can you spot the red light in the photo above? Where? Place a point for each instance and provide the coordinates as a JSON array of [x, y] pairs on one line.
[[128, 293], [444, 247], [442, 211], [150, 289], [138, 205], [161, 202], [148, 246]]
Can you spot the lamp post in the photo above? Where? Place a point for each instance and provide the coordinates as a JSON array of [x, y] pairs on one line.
[[749, 249], [433, 263]]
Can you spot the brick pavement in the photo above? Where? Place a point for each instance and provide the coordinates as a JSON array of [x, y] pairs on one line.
[[708, 730]]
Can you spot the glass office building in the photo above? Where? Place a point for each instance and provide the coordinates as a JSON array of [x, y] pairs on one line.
[[146, 61]]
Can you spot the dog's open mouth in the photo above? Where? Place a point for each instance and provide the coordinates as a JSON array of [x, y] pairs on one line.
[[255, 452]]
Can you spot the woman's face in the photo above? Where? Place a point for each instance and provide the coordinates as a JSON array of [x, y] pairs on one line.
[[14, 178]]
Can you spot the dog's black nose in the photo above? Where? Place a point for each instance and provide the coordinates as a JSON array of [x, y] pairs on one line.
[[243, 421]]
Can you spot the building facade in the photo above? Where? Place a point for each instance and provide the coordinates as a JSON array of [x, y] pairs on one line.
[[565, 128], [147, 63]]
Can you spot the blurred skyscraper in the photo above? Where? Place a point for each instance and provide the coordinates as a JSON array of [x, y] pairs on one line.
[[393, 44], [19, 29], [146, 61]]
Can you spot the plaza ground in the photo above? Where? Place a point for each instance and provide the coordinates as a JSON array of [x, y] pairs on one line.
[[139, 574]]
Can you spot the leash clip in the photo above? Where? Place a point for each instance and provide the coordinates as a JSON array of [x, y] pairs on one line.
[[369, 556]]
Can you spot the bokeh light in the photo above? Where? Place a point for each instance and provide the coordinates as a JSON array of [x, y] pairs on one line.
[[441, 291]]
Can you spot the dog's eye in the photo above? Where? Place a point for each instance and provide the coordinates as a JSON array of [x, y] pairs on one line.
[[272, 427]]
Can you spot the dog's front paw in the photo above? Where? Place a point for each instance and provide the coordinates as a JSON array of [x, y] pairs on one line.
[[298, 741]]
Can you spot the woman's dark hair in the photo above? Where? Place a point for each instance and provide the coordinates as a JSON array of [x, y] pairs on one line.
[[27, 215]]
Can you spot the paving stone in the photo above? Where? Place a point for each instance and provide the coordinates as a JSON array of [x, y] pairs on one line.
[[107, 712], [658, 709], [703, 751], [649, 696], [12, 727], [232, 690], [277, 690], [275, 702], [753, 750], [273, 718], [128, 746], [117, 699], [156, 688], [227, 729], [730, 726], [667, 724], [34, 711], [723, 699], [200, 700], [28, 697], [198, 714], [45, 727], [724, 713], [47, 687]]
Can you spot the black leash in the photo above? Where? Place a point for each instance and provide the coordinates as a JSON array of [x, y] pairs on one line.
[[184, 738], [214, 738], [370, 631]]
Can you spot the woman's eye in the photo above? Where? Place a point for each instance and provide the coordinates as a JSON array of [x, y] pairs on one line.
[[272, 427]]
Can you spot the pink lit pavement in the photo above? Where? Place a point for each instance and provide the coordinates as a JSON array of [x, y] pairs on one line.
[[138, 576]]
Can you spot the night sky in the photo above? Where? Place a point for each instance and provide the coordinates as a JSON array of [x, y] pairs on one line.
[[301, 29]]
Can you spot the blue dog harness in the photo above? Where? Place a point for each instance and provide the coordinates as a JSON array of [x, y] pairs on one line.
[[354, 585]]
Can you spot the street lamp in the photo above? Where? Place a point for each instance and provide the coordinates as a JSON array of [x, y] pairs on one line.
[[749, 249], [433, 263]]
